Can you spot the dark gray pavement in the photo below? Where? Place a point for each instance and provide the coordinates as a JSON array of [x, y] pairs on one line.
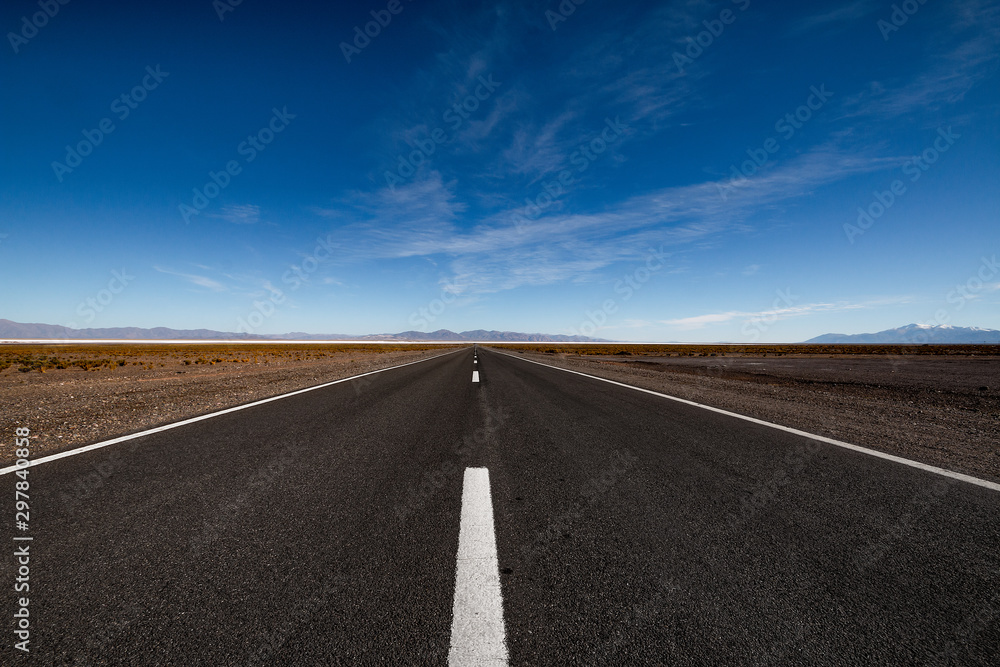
[[323, 528]]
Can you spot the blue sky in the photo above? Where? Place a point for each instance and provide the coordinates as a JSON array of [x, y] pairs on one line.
[[683, 171]]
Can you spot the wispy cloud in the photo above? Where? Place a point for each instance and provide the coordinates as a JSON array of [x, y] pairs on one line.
[[240, 214], [774, 314], [200, 281], [407, 221], [463, 225], [539, 152], [490, 254], [956, 65], [847, 13]]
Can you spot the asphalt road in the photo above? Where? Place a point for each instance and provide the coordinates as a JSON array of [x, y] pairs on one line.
[[323, 529]]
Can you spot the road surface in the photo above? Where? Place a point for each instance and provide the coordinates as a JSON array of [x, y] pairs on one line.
[[323, 528]]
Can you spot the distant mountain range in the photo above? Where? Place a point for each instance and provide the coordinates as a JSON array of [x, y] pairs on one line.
[[18, 330], [911, 333], [917, 334]]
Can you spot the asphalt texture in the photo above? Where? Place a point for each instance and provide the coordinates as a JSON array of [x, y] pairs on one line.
[[323, 529]]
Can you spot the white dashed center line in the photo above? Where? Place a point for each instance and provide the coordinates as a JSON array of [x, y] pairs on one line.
[[478, 636], [475, 376]]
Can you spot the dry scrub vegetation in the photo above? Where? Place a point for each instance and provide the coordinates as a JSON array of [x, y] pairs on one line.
[[42, 358]]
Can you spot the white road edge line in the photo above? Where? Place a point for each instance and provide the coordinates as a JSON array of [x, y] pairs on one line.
[[475, 376], [478, 636], [846, 445], [167, 427]]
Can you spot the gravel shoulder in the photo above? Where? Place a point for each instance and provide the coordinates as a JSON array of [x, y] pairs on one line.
[[70, 407], [944, 411]]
